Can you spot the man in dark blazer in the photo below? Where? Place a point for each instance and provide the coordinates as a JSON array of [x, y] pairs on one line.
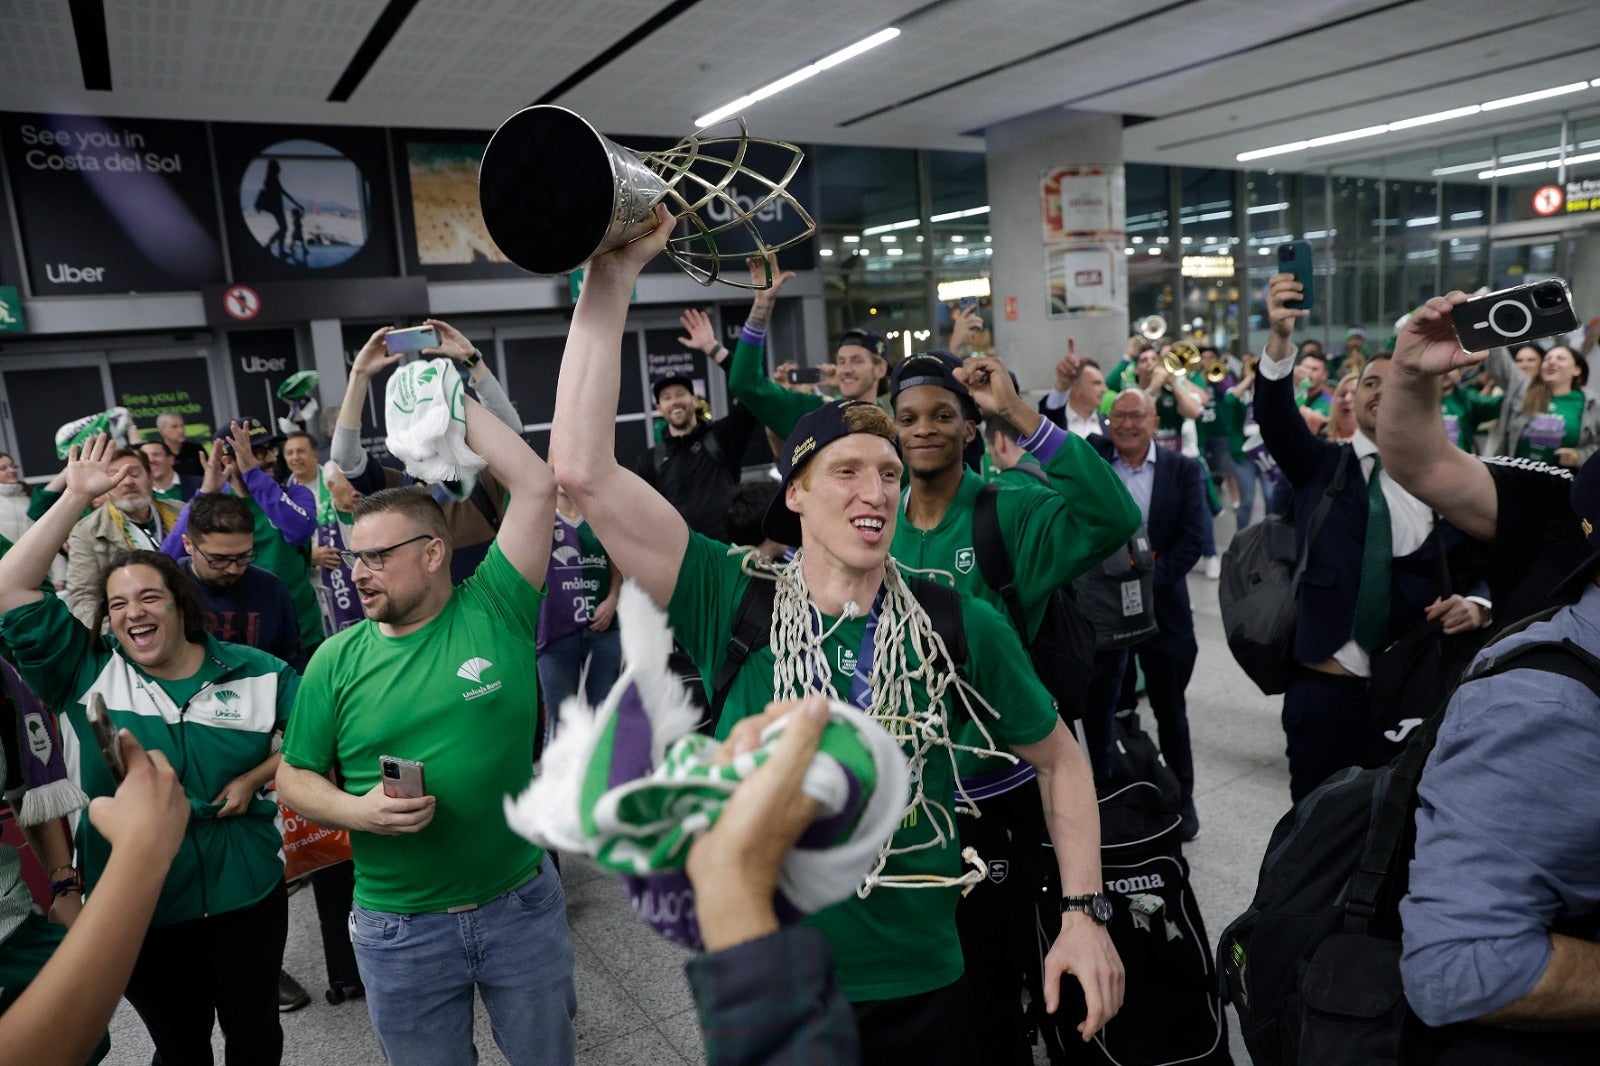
[[1168, 488], [1366, 580]]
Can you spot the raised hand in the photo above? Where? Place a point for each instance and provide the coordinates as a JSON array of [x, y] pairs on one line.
[[764, 270], [89, 472], [1281, 319], [1069, 367], [1428, 344], [244, 456], [618, 269], [966, 325], [452, 342], [986, 378], [374, 355], [697, 324]]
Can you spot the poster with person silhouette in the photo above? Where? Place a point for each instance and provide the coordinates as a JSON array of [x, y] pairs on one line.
[[305, 202], [112, 205]]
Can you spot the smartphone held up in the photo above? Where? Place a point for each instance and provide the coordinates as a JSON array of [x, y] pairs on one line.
[[414, 339], [1515, 316]]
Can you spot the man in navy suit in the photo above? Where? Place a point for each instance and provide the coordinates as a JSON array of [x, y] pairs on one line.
[[1372, 573], [1168, 488]]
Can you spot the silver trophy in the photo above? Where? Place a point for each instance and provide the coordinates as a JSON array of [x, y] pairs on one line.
[[555, 192]]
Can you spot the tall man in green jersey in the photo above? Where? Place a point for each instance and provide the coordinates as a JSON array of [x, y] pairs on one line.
[[447, 897], [843, 622]]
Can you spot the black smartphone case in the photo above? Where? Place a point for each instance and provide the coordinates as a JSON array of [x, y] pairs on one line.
[[1472, 319]]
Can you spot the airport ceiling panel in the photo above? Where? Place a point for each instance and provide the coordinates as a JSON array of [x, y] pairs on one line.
[[1201, 80]]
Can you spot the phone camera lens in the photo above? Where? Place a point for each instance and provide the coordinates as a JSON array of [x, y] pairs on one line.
[[1547, 297], [391, 771]]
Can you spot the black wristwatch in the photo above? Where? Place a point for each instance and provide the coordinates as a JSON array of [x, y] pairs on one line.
[[472, 360], [1097, 906]]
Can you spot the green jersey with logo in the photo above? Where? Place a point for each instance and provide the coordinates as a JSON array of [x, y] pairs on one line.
[[898, 941], [460, 695], [212, 727], [1052, 532]]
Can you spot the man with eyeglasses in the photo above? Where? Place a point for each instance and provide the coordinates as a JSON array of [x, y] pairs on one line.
[[447, 897], [243, 604]]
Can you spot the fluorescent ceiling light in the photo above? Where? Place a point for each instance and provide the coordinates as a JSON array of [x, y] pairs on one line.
[[951, 215], [1465, 216], [1418, 120], [1437, 116], [824, 251], [888, 227], [1428, 220], [1461, 168], [788, 81], [851, 238], [1542, 94], [896, 251], [1348, 135], [1261, 209], [1521, 168]]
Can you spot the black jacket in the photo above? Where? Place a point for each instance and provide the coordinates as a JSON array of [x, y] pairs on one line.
[[698, 472]]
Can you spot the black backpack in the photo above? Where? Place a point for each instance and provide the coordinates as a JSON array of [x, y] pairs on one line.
[[752, 629], [1257, 595], [1118, 596], [1062, 650], [1313, 966], [1171, 1013]]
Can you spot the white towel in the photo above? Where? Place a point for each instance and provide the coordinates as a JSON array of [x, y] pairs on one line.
[[427, 422]]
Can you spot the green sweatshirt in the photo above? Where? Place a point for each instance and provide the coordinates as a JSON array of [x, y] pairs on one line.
[[1053, 533], [773, 405], [1464, 411]]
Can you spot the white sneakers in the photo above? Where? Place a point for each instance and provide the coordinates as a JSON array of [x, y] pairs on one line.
[[1213, 567]]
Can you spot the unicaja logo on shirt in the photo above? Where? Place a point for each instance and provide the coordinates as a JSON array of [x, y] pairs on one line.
[[965, 560], [473, 670], [226, 698]]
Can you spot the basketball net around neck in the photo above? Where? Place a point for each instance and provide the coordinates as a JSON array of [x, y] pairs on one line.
[[907, 651]]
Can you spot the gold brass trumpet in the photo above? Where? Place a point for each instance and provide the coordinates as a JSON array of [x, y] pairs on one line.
[[1151, 327], [1214, 370], [1180, 359]]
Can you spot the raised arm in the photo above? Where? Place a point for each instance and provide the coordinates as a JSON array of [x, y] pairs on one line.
[[454, 344], [1296, 449], [775, 406], [27, 564], [345, 448], [1412, 442], [642, 531], [524, 535]]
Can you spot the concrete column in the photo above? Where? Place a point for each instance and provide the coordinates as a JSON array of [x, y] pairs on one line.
[[327, 359], [1019, 151]]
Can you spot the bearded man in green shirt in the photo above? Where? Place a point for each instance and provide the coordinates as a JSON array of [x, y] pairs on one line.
[[843, 621], [448, 898]]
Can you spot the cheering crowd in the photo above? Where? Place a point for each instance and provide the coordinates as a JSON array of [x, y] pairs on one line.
[[264, 628]]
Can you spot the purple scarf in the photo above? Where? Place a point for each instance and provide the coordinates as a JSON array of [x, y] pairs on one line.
[[336, 589], [51, 793]]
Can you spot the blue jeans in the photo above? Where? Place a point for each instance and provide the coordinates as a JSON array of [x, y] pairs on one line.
[[561, 664], [1245, 473], [420, 971]]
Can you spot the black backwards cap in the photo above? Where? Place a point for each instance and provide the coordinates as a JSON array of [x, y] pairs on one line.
[[814, 432], [870, 339], [670, 379], [936, 368]]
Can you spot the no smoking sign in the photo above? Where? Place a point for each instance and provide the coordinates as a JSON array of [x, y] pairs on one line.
[[241, 302], [1547, 200]]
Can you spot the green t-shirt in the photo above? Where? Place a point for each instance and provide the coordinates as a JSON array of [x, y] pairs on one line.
[[459, 695], [1561, 426], [1465, 410], [1052, 532], [1233, 414], [774, 406], [898, 941], [171, 495], [212, 726]]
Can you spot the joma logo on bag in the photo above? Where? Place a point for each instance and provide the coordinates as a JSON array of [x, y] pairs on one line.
[[1142, 883]]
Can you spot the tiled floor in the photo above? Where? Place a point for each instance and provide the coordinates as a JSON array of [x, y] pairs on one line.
[[633, 1004]]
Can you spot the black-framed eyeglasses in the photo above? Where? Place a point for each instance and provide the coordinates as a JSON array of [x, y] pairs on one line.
[[373, 558], [225, 562]]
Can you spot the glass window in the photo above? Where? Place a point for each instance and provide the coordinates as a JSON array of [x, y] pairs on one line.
[[1148, 219], [1515, 187], [958, 184]]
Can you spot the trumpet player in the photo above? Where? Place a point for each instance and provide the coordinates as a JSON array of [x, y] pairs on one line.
[[1176, 398]]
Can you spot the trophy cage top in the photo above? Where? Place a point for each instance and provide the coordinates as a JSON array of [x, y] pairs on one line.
[[554, 192]]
